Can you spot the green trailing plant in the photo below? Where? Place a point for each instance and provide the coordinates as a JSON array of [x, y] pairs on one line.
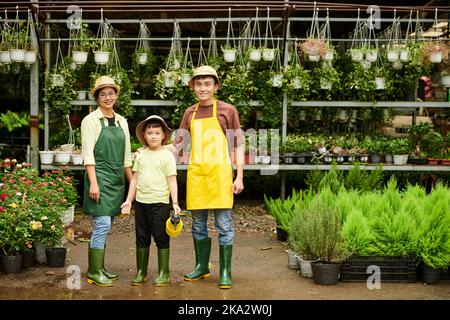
[[282, 211]]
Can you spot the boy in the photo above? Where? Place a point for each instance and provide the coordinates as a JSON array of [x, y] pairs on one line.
[[154, 177]]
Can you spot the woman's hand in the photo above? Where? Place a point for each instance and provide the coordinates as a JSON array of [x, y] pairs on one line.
[[94, 192], [126, 207]]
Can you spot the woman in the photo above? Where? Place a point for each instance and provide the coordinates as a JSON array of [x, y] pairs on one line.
[[107, 158]]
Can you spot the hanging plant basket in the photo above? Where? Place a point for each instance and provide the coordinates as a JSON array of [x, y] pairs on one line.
[[392, 55], [277, 80], [371, 55], [229, 55], [16, 55], [268, 54], [356, 54], [79, 57], [380, 83], [101, 57]]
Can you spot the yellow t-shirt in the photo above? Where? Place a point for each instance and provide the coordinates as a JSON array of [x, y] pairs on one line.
[[154, 167]]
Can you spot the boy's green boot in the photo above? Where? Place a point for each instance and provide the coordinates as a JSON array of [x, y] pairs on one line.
[[163, 268], [141, 266]]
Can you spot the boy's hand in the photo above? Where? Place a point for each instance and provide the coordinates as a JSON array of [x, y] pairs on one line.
[[176, 208], [126, 207]]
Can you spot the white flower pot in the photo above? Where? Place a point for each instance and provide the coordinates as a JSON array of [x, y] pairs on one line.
[[436, 57], [77, 159], [67, 147], [101, 57], [343, 115], [325, 84], [142, 58], [302, 115], [392, 55], [277, 80], [445, 81], [268, 54], [371, 55], [79, 57], [4, 57], [400, 159], [169, 81], [176, 64], [397, 65], [356, 55], [229, 55], [16, 55], [255, 55], [404, 55], [62, 157], [293, 262], [29, 58], [56, 80], [46, 157], [265, 159], [185, 77], [296, 83], [81, 95], [313, 58], [68, 215], [379, 83], [329, 56]]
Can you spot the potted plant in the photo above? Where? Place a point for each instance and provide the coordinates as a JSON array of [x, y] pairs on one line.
[[400, 148], [434, 51], [314, 48], [433, 237], [83, 42]]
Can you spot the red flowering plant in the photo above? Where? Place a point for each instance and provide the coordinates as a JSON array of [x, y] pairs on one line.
[[31, 206]]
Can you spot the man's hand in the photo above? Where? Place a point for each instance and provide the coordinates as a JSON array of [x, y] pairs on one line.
[[94, 192], [238, 186]]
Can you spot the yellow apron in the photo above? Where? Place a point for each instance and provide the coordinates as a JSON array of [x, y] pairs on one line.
[[210, 174]]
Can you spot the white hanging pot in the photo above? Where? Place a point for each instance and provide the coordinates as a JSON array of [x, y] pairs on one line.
[[56, 80], [4, 57], [329, 56], [229, 55], [46, 157], [255, 55], [185, 77], [30, 57], [268, 54], [277, 80], [313, 57], [296, 83], [342, 115], [101, 57], [302, 115], [371, 55], [356, 54], [16, 55], [176, 64], [79, 57], [435, 56], [325, 84], [445, 81], [404, 55], [169, 82], [142, 58], [392, 55], [397, 65], [379, 83]]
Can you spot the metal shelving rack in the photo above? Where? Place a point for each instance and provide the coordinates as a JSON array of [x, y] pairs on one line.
[[286, 19]]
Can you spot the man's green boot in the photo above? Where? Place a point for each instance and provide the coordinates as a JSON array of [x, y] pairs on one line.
[[225, 253], [110, 275], [141, 266], [202, 252], [163, 268], [95, 274]]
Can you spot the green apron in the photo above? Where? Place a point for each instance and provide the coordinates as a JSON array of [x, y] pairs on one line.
[[109, 154]]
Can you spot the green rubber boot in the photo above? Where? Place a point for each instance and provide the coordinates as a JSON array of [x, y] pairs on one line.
[[225, 253], [141, 266], [163, 268], [109, 275], [202, 252], [95, 274]]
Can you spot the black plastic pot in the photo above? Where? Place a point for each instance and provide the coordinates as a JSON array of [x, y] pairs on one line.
[[11, 264], [325, 273], [281, 235], [56, 257], [430, 275], [28, 259]]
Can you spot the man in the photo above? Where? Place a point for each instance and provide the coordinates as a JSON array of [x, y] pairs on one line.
[[214, 131]]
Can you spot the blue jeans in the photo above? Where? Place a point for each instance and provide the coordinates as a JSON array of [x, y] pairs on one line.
[[223, 221], [102, 226]]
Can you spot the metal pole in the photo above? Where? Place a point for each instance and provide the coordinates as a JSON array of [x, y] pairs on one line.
[[46, 72], [34, 102]]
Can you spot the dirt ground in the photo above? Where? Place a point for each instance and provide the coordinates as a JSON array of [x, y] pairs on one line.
[[260, 272]]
